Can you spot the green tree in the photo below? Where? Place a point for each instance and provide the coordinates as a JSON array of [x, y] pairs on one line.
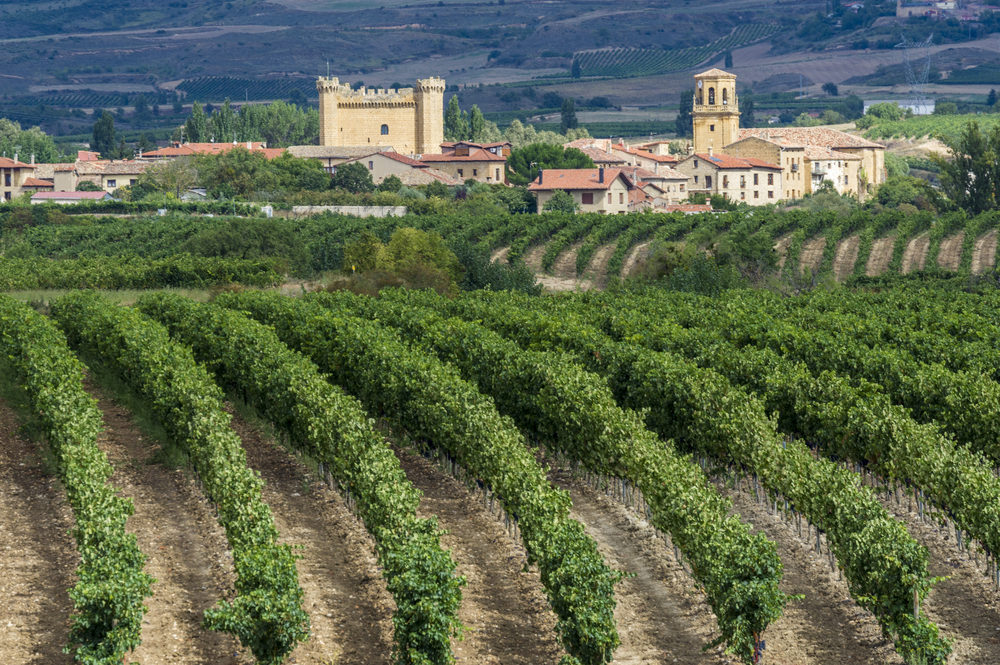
[[831, 89], [886, 111], [991, 99], [971, 177], [477, 124], [575, 70], [568, 114], [391, 183], [196, 127], [524, 163], [87, 186], [103, 139], [27, 142], [561, 201], [683, 124], [222, 125], [294, 173], [353, 177], [170, 177], [728, 61], [456, 127], [236, 173], [143, 144], [946, 108]]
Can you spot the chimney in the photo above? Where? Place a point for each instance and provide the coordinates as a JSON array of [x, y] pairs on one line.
[[600, 175], [249, 145], [540, 172], [15, 156], [709, 151], [32, 158]]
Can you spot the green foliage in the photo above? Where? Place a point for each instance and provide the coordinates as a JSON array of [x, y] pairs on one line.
[[353, 177], [886, 111], [104, 139], [524, 163], [390, 184], [561, 201], [568, 115], [266, 614], [87, 186], [27, 142], [236, 173], [111, 585], [971, 178], [331, 427], [429, 400], [946, 108], [196, 127]]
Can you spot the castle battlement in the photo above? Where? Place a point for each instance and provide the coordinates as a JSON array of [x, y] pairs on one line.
[[407, 119]]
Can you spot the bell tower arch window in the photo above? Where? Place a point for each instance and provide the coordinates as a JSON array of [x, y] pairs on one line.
[[711, 96], [725, 96]]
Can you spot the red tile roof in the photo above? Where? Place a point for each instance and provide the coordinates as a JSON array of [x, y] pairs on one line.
[[599, 156], [803, 136], [475, 155], [187, 149], [729, 162], [688, 207], [87, 156], [587, 179], [35, 182], [645, 154], [69, 195], [403, 159], [7, 163]]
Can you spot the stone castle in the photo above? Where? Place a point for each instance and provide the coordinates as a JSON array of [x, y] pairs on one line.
[[410, 120]]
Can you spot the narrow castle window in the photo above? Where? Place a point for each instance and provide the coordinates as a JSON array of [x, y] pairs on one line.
[[711, 96], [725, 96], [385, 130]]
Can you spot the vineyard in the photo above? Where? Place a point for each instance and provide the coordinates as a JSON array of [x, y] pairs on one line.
[[220, 88], [762, 459], [630, 62], [944, 127]]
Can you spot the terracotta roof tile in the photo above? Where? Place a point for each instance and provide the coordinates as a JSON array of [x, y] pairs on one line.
[[7, 163], [475, 155], [723, 161], [574, 179], [815, 136], [35, 182], [688, 207], [403, 159], [599, 156], [69, 195]]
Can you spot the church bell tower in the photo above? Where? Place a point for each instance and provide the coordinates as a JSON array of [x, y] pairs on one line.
[[716, 112]]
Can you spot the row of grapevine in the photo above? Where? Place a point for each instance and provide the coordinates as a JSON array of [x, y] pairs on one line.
[[266, 614], [220, 88], [566, 236], [572, 411], [849, 421], [247, 358], [111, 586], [135, 273], [430, 402], [701, 410]]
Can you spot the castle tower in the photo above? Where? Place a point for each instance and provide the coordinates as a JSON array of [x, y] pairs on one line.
[[429, 97], [716, 111], [328, 88]]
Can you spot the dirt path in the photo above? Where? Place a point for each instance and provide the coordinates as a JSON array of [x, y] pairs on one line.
[[348, 604], [504, 609], [950, 255], [964, 606], [500, 255], [533, 258], [826, 626], [37, 554], [632, 258], [781, 249], [880, 257], [661, 617], [811, 255], [565, 264], [188, 554], [915, 254], [984, 254], [845, 258], [597, 269]]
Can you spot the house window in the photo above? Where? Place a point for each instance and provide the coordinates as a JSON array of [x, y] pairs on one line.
[[6, 179], [756, 194], [696, 179], [371, 166], [743, 196], [587, 198], [497, 178], [711, 128], [621, 197], [132, 181], [682, 186], [755, 177], [609, 197], [475, 172], [770, 194], [708, 182], [696, 166], [112, 183], [460, 173], [770, 178], [743, 181], [725, 182], [6, 195], [385, 130]]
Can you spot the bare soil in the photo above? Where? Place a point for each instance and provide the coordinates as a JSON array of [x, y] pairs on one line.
[[533, 258], [504, 608], [826, 626], [984, 254], [950, 254], [500, 255], [37, 554], [597, 269], [348, 603], [187, 552], [781, 248], [811, 255], [880, 257], [964, 605], [915, 254], [845, 257], [661, 616], [632, 258], [565, 264]]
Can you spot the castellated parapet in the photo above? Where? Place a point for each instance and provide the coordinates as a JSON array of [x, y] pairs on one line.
[[411, 120]]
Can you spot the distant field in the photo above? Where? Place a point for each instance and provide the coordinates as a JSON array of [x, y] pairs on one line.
[[944, 127]]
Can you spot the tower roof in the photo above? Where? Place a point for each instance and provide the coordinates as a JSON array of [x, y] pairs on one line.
[[715, 73]]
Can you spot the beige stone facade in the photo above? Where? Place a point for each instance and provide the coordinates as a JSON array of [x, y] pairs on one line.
[[716, 112], [605, 191], [749, 181], [411, 120], [13, 174]]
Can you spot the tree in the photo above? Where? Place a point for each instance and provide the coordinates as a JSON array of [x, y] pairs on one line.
[[236, 173], [27, 142], [141, 107], [575, 71], [971, 177], [477, 124], [728, 60], [171, 177], [456, 128], [223, 124], [886, 111], [831, 89], [196, 127], [294, 173], [144, 144], [87, 186], [946, 108], [568, 114], [103, 139], [524, 163], [683, 124], [561, 201], [390, 184], [354, 177], [991, 99]]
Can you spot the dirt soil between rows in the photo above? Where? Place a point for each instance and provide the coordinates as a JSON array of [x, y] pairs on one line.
[[811, 255], [881, 255], [37, 554], [984, 254], [504, 609], [349, 606], [846, 257], [915, 254], [950, 254], [187, 551]]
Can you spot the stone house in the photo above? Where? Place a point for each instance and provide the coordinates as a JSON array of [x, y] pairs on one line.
[[746, 180], [594, 190], [469, 163], [13, 174]]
